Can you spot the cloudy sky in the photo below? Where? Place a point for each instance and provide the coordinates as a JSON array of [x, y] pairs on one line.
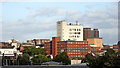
[[28, 20]]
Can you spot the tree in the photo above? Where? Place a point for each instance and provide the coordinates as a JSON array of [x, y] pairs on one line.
[[39, 59], [109, 60], [35, 51], [28, 50], [24, 60], [62, 58]]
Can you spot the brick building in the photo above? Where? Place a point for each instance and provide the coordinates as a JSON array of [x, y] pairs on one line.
[[48, 47], [74, 49], [88, 33], [4, 44], [54, 45], [96, 33]]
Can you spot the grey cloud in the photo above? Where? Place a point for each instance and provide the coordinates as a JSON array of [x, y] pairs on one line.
[[20, 29], [89, 6], [48, 11], [110, 36], [42, 23]]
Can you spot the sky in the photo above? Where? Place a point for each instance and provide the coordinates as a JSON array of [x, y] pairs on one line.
[[37, 20]]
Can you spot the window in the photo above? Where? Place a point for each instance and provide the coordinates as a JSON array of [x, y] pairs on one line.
[[70, 29], [77, 29], [70, 32]]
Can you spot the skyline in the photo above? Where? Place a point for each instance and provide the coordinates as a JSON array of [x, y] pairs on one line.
[[30, 14]]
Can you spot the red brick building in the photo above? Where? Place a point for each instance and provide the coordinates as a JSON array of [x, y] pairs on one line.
[[48, 47], [88, 33], [4, 44], [54, 45], [96, 33], [74, 49]]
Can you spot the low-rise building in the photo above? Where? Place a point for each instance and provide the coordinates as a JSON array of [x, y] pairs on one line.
[[10, 51], [27, 44], [4, 44], [14, 43], [73, 62], [38, 42], [95, 41]]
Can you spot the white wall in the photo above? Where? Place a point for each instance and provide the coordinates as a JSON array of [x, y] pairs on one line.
[[63, 31]]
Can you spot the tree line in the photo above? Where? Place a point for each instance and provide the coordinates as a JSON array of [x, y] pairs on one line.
[[35, 56]]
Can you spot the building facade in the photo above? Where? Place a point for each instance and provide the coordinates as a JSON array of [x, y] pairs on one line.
[[95, 41], [55, 41], [10, 51], [39, 42], [74, 49], [89, 33], [69, 31], [4, 44], [48, 47], [86, 33]]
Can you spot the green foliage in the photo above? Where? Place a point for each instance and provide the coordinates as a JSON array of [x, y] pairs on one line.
[[62, 58], [24, 60], [5, 57], [38, 54], [109, 60], [83, 61], [39, 59], [35, 51]]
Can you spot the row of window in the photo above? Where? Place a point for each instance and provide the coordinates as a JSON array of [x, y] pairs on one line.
[[76, 55], [74, 36], [74, 32], [77, 42], [77, 45], [74, 29], [78, 50]]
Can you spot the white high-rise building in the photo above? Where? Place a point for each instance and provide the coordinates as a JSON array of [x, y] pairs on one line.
[[69, 31]]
